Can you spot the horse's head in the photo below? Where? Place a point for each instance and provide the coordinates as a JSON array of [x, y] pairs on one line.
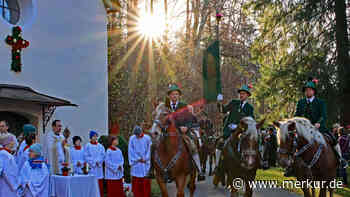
[[286, 135], [295, 133], [160, 119], [249, 147]]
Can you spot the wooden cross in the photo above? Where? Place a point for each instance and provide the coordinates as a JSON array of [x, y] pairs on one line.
[[15, 40]]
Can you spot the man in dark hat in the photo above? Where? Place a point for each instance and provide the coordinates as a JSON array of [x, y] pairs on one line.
[[314, 109], [185, 121], [173, 99], [237, 109]]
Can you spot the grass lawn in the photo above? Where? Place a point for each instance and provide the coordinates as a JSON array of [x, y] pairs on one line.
[[155, 190]]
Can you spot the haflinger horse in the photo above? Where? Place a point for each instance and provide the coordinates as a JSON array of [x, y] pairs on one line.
[[171, 158], [241, 155], [302, 146]]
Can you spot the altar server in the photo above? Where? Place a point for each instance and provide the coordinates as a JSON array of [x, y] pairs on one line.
[[114, 162], [77, 155], [140, 159], [29, 139], [94, 155], [34, 176], [8, 168]]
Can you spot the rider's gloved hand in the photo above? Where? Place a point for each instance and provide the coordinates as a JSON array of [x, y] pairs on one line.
[[232, 126], [183, 129], [220, 97]]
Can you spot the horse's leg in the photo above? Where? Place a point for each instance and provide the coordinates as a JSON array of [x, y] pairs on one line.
[[180, 185], [162, 185], [330, 192], [313, 192], [204, 162], [323, 192], [210, 163], [192, 183], [248, 189]]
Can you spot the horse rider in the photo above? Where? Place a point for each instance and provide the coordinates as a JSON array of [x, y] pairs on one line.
[[314, 109], [183, 114], [237, 109], [185, 121]]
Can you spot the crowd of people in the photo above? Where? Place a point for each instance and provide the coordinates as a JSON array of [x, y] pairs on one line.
[[342, 134], [26, 164]]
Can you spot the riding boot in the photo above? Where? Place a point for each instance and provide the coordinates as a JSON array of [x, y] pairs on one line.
[[218, 156], [342, 161], [201, 175]]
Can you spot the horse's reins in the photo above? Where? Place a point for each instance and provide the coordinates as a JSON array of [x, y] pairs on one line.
[[173, 160], [302, 150]]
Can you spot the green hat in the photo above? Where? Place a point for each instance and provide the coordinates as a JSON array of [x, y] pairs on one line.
[[245, 88], [310, 84], [174, 87], [28, 129]]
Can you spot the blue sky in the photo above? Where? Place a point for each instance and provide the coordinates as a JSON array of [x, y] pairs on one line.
[[67, 58]]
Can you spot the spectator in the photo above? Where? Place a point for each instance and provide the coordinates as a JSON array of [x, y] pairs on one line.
[[344, 140]]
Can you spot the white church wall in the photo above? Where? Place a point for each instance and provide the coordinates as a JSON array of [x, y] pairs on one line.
[[66, 58]]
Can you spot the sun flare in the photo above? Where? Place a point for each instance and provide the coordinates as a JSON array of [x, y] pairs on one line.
[[152, 26]]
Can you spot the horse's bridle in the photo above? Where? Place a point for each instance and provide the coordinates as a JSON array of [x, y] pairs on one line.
[[302, 150], [294, 145]]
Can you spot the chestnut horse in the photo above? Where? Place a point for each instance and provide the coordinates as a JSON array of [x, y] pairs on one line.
[[309, 152], [171, 157], [241, 155]]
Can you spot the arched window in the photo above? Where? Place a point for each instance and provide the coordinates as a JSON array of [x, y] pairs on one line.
[[10, 11]]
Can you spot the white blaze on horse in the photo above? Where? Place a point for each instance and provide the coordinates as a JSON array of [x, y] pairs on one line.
[[308, 151], [241, 157]]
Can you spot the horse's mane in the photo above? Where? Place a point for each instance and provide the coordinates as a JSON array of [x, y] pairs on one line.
[[304, 128], [251, 130]]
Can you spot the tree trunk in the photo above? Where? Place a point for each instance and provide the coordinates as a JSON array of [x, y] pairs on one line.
[[343, 60], [132, 47]]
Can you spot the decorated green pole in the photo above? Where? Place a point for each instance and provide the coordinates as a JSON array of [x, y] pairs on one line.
[[218, 19], [17, 43]]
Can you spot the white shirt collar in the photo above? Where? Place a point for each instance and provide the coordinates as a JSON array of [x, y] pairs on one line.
[[244, 102], [171, 103], [311, 99]]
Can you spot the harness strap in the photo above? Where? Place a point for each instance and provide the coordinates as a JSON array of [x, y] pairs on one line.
[[316, 156], [303, 149], [172, 162]]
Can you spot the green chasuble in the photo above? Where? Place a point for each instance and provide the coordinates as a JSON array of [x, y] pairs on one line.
[[235, 114], [315, 111]]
